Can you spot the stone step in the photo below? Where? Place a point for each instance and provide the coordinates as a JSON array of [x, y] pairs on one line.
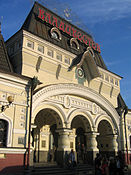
[[55, 170]]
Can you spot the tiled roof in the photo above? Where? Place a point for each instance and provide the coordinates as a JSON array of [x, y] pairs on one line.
[[42, 29], [4, 59]]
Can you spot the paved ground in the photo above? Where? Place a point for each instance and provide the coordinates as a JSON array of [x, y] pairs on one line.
[[129, 170]]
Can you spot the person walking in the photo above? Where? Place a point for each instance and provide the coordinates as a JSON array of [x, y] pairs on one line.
[[72, 160]]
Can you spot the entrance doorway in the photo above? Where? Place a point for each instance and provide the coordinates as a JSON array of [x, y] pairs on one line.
[[105, 139], [81, 124], [45, 137]]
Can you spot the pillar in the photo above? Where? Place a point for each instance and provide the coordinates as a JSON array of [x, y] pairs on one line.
[[63, 145], [92, 149]]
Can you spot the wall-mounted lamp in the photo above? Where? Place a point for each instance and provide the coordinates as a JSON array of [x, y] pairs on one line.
[[10, 100]]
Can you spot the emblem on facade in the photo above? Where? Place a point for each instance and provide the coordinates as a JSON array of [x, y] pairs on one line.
[[80, 73], [67, 101]]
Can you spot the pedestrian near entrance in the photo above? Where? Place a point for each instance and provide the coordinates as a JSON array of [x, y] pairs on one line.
[[72, 160], [83, 153], [78, 149], [98, 164], [119, 166], [104, 166]]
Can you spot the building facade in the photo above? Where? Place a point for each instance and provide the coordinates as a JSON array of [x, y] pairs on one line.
[[76, 99]]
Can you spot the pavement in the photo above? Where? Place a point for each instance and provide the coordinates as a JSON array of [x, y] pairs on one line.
[[129, 170]]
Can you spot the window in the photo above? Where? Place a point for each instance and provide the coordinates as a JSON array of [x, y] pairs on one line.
[[116, 82], [59, 57], [3, 132], [43, 144], [30, 44], [102, 75], [50, 53], [74, 43], [55, 34], [21, 140], [106, 77], [41, 49], [67, 60], [112, 80]]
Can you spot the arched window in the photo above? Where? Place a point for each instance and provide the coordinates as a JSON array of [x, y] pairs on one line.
[[55, 34], [74, 43], [3, 133]]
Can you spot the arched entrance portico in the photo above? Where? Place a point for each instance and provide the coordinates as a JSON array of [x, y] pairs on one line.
[[74, 117], [82, 126], [45, 137], [107, 139]]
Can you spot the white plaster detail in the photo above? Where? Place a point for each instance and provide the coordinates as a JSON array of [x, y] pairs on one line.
[[19, 131], [69, 101], [77, 90], [12, 151]]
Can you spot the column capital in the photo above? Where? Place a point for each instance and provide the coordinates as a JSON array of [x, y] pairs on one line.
[[92, 133], [64, 130]]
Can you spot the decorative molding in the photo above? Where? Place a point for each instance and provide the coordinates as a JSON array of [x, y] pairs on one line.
[[80, 91], [19, 131], [69, 101], [12, 151]]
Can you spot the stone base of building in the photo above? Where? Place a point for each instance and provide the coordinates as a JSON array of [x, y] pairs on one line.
[[12, 160]]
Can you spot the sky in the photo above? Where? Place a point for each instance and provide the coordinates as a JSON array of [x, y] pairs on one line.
[[108, 21]]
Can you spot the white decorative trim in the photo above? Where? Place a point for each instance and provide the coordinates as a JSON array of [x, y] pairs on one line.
[[77, 90], [38, 39], [69, 101], [12, 151], [19, 131]]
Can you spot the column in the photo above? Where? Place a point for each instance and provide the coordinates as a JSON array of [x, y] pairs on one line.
[[122, 133], [63, 145], [114, 144], [63, 140], [92, 149]]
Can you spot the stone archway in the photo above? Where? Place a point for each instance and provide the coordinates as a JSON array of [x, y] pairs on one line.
[[107, 138], [45, 137], [82, 126]]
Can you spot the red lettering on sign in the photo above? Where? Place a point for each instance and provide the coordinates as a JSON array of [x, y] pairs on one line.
[[61, 26], [54, 22], [41, 14], [48, 17], [74, 33], [98, 47], [79, 36], [93, 45], [84, 37], [68, 29]]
